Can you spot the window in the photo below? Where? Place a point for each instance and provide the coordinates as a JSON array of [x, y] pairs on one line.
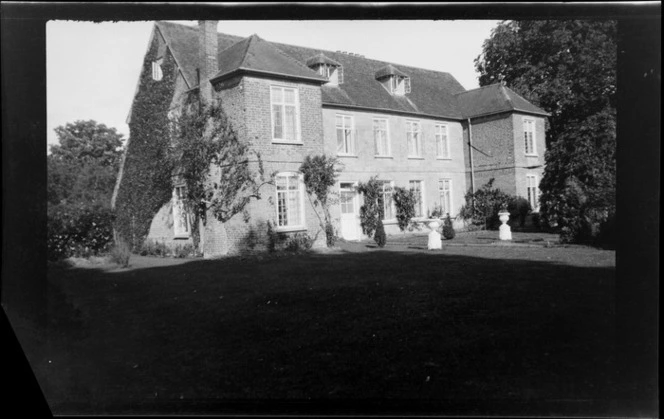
[[529, 135], [347, 197], [333, 73], [445, 194], [418, 187], [413, 135], [381, 138], [387, 201], [180, 216], [285, 115], [442, 142], [156, 70], [345, 144], [290, 201], [533, 192], [399, 85]]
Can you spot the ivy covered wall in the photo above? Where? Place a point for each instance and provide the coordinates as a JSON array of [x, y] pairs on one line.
[[146, 180]]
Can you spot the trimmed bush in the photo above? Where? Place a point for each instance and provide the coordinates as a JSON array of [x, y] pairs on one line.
[[380, 237], [448, 229], [519, 209], [78, 230]]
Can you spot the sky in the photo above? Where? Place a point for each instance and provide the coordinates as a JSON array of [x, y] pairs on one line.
[[92, 69]]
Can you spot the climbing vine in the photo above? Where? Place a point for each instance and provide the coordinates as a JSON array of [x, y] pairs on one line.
[[405, 201], [320, 175], [371, 212], [146, 181]]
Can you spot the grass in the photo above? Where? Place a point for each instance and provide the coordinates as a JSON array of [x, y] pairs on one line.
[[497, 324]]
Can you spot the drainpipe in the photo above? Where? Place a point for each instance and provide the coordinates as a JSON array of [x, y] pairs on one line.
[[470, 147]]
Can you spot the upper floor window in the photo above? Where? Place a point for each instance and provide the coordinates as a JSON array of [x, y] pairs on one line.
[[335, 74], [529, 135], [417, 186], [445, 194], [533, 192], [381, 137], [400, 85], [285, 114], [156, 70], [442, 142], [180, 216], [345, 141], [413, 136], [290, 201]]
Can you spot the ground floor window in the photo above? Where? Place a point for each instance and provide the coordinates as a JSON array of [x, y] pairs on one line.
[[290, 200], [532, 189], [347, 197], [387, 201], [445, 194], [180, 216], [417, 186]]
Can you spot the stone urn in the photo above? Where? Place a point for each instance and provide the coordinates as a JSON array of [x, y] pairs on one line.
[[505, 230], [434, 235]]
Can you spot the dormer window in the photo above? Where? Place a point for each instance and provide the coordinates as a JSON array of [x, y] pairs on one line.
[[328, 68], [156, 70], [395, 81]]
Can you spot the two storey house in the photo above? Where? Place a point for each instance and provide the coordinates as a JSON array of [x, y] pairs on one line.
[[411, 127]]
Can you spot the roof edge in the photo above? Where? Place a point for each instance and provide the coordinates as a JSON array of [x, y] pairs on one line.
[[243, 70], [394, 111]]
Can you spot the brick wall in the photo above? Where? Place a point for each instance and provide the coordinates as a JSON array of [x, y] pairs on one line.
[[398, 167], [528, 164]]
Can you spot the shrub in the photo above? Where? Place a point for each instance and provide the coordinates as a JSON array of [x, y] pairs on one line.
[[184, 251], [154, 248], [482, 207], [405, 201], [371, 212], [519, 209], [448, 229], [120, 253], [78, 230], [299, 242], [536, 221], [330, 236], [380, 237]]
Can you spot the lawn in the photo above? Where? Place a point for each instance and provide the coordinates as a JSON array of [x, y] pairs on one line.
[[507, 328]]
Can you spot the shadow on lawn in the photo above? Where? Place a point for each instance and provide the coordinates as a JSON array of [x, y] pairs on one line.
[[417, 331]]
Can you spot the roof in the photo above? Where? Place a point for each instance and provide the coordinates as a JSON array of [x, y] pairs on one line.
[[492, 99], [254, 55], [389, 70], [321, 59], [433, 93]]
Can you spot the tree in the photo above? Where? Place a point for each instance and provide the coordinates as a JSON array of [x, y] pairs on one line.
[[215, 166], [568, 68], [83, 167]]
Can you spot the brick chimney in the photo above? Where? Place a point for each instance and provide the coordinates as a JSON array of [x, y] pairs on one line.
[[207, 55]]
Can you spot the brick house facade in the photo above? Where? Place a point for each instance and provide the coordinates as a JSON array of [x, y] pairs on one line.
[[411, 127]]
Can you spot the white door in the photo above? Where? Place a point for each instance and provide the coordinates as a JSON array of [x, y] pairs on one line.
[[350, 212]]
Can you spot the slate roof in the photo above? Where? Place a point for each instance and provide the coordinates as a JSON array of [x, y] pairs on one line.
[[433, 93], [254, 55], [389, 70], [492, 99], [321, 59]]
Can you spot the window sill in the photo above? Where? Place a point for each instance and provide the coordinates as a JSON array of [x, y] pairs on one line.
[[532, 155], [352, 156], [443, 158], [383, 157], [415, 158], [274, 141], [290, 229], [181, 237], [390, 221]]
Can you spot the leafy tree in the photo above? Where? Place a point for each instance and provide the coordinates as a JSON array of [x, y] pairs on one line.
[[320, 174], [215, 166], [568, 68], [482, 207], [83, 167]]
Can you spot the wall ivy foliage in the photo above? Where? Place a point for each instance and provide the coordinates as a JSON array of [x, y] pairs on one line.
[[146, 181]]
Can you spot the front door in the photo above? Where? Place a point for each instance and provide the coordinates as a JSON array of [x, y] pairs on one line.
[[350, 212]]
